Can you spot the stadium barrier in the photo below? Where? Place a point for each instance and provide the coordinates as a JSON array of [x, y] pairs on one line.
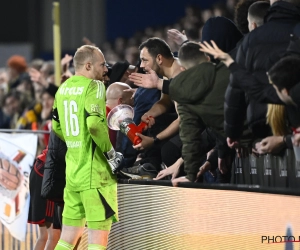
[[154, 215]]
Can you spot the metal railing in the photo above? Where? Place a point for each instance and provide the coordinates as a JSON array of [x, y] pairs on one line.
[[274, 171]]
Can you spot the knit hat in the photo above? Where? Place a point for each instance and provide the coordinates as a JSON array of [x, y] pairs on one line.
[[18, 63], [118, 70], [222, 31]]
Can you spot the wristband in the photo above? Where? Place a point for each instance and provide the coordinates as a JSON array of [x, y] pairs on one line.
[[184, 42], [110, 154], [156, 140], [165, 86]]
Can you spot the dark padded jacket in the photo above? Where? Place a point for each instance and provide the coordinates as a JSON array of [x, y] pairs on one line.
[[260, 50], [257, 91], [54, 179]]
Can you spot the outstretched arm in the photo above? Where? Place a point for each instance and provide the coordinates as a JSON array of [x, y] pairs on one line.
[[148, 81], [166, 133], [177, 37]]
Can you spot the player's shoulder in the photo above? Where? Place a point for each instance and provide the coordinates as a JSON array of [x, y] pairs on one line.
[[96, 83], [62, 87], [97, 89]]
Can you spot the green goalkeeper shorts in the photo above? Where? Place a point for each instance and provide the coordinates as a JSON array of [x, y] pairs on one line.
[[87, 206]]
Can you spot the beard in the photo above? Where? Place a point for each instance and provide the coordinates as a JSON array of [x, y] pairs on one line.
[[99, 76], [155, 67]]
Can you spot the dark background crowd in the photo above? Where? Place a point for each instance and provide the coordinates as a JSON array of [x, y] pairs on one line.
[[22, 82]]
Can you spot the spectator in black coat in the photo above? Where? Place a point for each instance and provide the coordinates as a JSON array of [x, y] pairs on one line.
[[54, 180], [259, 51], [285, 78]]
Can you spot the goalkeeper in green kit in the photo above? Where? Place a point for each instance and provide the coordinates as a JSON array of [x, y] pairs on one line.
[[79, 119]]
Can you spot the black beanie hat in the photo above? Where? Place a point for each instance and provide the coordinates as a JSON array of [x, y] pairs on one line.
[[222, 31]]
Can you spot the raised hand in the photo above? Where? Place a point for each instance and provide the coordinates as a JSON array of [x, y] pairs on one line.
[[87, 41], [216, 52], [176, 36], [37, 77], [65, 62]]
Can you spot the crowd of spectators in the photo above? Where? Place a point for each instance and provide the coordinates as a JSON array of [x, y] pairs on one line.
[[219, 85], [198, 146]]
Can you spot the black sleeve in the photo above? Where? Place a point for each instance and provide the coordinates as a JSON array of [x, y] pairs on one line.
[[213, 159], [288, 141], [256, 85], [235, 106], [165, 87], [54, 171]]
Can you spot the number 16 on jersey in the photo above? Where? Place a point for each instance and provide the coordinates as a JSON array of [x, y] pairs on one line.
[[71, 118]]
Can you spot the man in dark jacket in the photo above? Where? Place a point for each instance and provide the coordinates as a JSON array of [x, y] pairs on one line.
[[54, 179], [199, 92], [260, 49], [284, 77]]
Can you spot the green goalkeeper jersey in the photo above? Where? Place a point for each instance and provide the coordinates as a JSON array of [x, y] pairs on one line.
[[79, 119]]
